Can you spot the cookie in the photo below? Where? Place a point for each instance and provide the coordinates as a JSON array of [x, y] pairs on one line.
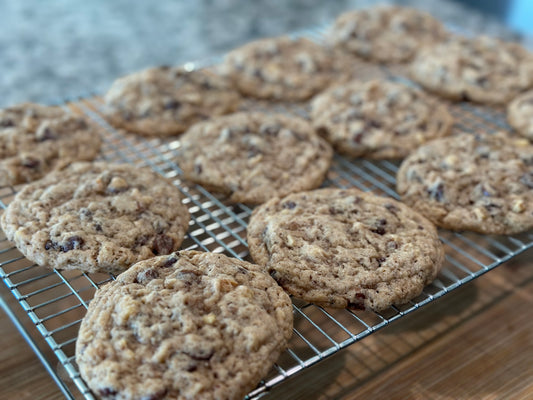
[[36, 139], [476, 182], [345, 248], [96, 217], [252, 157], [520, 114], [482, 69], [165, 101], [378, 119], [386, 34], [282, 68], [189, 325]]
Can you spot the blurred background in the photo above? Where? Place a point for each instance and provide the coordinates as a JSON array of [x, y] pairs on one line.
[[59, 49]]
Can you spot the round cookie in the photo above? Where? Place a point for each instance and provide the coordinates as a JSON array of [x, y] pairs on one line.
[[36, 139], [386, 34], [96, 217], [185, 326], [483, 69], [378, 119], [476, 182], [520, 114], [165, 101], [283, 68], [345, 248], [254, 156]]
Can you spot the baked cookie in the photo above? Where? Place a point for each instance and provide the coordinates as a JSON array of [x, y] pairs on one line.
[[476, 182], [483, 69], [386, 34], [96, 217], [378, 119], [254, 156], [36, 139], [520, 114], [189, 325], [282, 68], [345, 248], [165, 101]]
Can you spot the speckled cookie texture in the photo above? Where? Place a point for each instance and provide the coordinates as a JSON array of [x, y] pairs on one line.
[[254, 156], [520, 114], [387, 34], [165, 101], [476, 182], [482, 69], [345, 248], [378, 119], [284, 69], [36, 139], [96, 217], [190, 325]]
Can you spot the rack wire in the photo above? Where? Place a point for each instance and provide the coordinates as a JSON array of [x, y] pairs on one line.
[[56, 301]]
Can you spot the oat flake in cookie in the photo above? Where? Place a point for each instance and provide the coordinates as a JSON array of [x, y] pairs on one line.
[[345, 248], [476, 182], [378, 119], [520, 114], [96, 217], [283, 68], [190, 325], [165, 101], [388, 34], [483, 69], [36, 139], [252, 157]]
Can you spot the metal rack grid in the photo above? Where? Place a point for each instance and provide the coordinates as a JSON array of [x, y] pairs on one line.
[[56, 301]]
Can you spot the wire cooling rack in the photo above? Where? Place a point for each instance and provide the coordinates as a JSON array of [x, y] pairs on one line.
[[56, 301]]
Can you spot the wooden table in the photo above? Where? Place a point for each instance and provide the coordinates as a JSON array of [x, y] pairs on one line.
[[474, 343]]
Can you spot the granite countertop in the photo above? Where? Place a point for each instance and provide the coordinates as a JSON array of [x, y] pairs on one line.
[[50, 51]]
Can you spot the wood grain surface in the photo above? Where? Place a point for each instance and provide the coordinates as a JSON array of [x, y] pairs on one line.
[[474, 343]]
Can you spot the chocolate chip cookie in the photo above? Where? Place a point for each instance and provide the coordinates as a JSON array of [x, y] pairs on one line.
[[476, 182], [387, 34], [165, 101], [189, 325], [482, 69], [96, 217], [345, 248], [520, 114], [254, 156], [378, 119], [283, 68], [36, 139]]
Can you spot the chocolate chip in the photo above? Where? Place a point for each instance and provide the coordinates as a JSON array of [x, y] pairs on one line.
[[380, 260], [253, 151], [289, 205], [392, 208], [31, 162], [169, 262], [360, 296], [146, 276], [172, 104], [334, 211], [482, 81], [142, 240], [322, 131], [156, 396], [85, 212], [380, 227], [372, 124], [50, 245], [527, 179], [98, 227], [191, 367], [269, 130], [72, 243], [43, 134], [358, 138], [356, 306], [436, 192], [198, 168], [242, 270], [107, 392], [6, 123], [423, 126], [200, 354], [162, 244]]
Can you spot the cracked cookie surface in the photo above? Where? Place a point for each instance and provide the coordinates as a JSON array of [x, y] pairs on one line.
[[477, 182], [36, 139], [188, 325], [96, 217], [284, 69], [482, 69], [378, 119], [345, 248], [165, 101], [387, 34], [254, 156]]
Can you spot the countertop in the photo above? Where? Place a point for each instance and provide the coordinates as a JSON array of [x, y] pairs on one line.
[[474, 343]]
